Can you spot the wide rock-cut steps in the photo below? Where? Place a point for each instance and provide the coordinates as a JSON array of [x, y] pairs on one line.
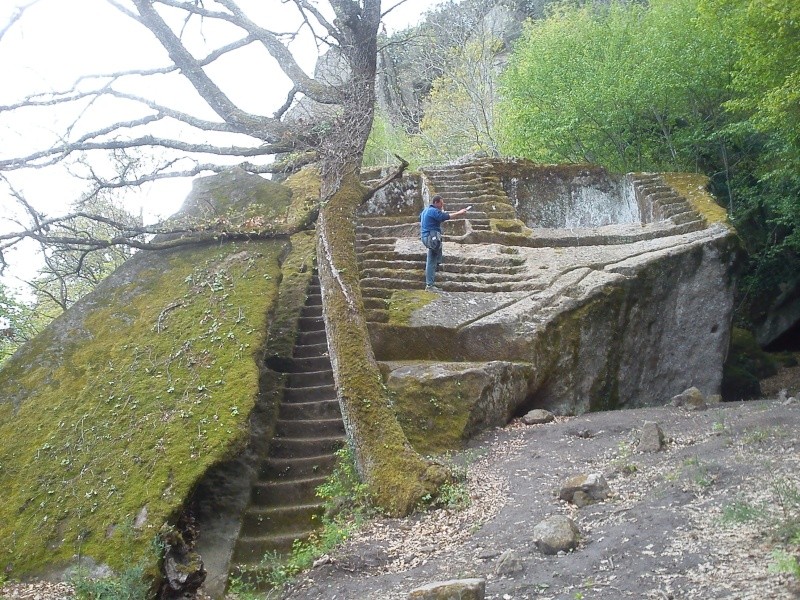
[[309, 430], [471, 185], [384, 269]]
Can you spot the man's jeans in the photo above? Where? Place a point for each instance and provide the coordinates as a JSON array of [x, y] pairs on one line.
[[433, 261]]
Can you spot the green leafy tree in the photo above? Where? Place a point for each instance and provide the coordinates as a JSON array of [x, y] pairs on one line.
[[628, 86], [459, 112], [702, 85], [386, 141], [765, 121]]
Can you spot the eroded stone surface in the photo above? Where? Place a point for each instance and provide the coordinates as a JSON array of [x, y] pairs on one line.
[[441, 405]]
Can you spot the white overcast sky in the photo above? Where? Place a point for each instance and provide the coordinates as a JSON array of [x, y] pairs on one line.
[[57, 41]]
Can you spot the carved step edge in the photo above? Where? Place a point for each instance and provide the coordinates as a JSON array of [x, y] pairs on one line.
[[309, 430]]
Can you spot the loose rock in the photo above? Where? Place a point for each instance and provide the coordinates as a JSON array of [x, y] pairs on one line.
[[556, 534], [691, 399], [588, 489], [454, 589], [651, 438], [538, 416], [508, 563]]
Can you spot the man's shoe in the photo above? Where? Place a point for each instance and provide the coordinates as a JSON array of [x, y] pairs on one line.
[[432, 288]]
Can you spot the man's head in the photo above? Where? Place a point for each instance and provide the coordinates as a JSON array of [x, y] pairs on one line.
[[437, 201]]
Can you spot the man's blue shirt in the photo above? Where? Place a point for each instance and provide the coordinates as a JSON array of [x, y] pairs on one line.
[[431, 219]]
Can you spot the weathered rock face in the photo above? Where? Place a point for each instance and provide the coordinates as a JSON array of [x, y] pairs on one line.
[[625, 302], [461, 589], [441, 405], [565, 197], [633, 334], [114, 414]]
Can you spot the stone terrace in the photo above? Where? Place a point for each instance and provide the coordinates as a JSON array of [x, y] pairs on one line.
[[599, 310]]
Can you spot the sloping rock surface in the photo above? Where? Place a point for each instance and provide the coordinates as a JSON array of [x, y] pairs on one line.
[[607, 315]]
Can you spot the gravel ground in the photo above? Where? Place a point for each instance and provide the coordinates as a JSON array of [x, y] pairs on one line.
[[675, 527]]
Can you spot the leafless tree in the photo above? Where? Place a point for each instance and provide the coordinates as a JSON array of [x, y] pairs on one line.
[[333, 135]]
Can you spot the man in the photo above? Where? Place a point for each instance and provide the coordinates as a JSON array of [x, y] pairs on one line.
[[430, 221]]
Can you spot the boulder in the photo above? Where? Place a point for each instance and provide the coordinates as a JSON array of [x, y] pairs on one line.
[[556, 534], [690, 399], [651, 438], [538, 416], [509, 562], [585, 489]]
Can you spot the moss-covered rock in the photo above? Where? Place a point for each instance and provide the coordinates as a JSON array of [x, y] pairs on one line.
[[113, 414], [404, 303], [694, 187], [152, 386], [442, 405]]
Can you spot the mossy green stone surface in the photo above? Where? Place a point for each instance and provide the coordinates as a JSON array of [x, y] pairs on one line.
[[112, 415], [404, 303], [435, 418], [108, 434], [694, 187]]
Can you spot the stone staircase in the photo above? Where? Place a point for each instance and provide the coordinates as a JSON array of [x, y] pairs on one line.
[[386, 268], [660, 202], [471, 185], [309, 430]]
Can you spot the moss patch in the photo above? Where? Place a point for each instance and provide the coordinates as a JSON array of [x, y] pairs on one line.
[[404, 303], [112, 415], [694, 187], [305, 194], [434, 420], [508, 226]]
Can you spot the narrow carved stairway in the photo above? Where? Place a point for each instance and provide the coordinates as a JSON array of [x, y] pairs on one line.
[[309, 430], [660, 202]]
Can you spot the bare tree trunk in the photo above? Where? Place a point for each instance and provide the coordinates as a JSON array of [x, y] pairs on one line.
[[397, 475]]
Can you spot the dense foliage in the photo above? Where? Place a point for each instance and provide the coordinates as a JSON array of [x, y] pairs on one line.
[[630, 86], [764, 121], [699, 85]]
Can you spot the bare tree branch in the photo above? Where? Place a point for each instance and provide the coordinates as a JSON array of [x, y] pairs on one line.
[[15, 16], [395, 174]]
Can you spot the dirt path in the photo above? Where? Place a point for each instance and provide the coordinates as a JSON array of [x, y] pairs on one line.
[[695, 520]]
